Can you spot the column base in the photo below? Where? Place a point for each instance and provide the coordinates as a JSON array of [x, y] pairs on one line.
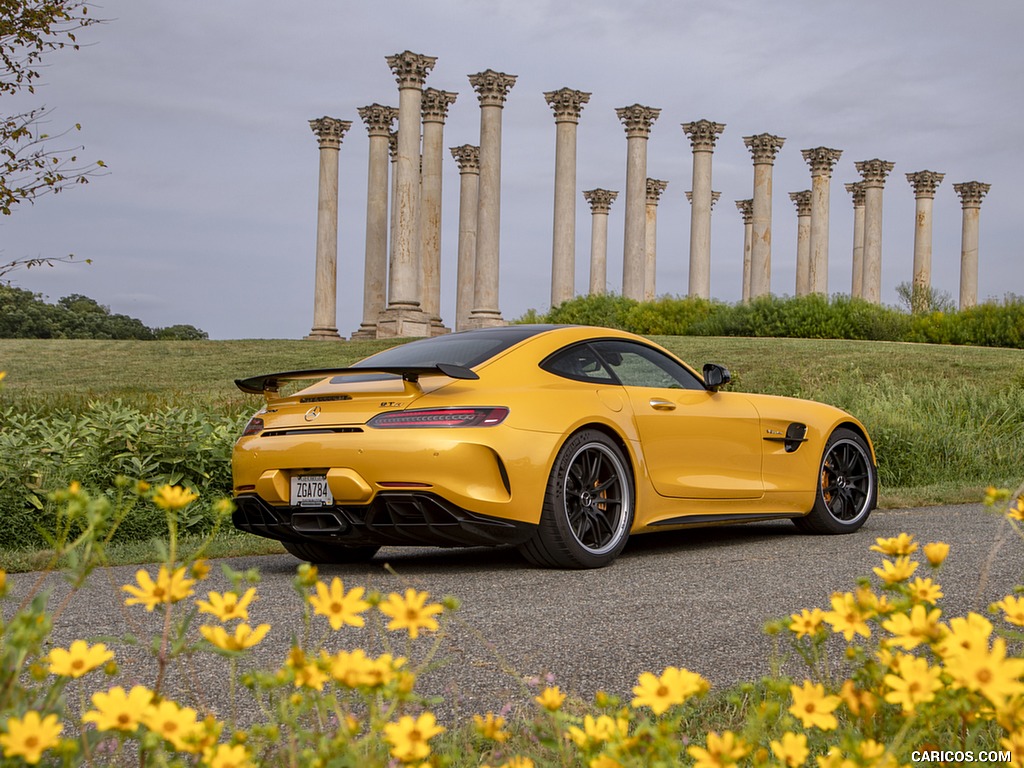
[[324, 334], [438, 328], [365, 332], [404, 322], [485, 318]]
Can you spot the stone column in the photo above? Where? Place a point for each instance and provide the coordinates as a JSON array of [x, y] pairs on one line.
[[600, 202], [329, 132], [404, 315], [492, 89], [567, 105], [873, 173], [746, 209], [393, 218], [434, 109], [468, 158], [821, 160], [924, 183], [763, 148], [804, 205], [378, 121], [637, 121], [654, 189], [971, 193], [856, 189], [702, 134]]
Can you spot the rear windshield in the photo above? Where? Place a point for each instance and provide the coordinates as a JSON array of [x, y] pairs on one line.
[[468, 349]]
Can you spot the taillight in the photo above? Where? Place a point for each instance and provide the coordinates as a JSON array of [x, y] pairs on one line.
[[254, 427], [439, 417]]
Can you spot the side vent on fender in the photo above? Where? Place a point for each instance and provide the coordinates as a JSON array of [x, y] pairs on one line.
[[796, 433]]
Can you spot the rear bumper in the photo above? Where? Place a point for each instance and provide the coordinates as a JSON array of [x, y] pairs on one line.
[[407, 518]]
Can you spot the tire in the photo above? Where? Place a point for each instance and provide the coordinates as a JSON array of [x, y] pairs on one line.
[[588, 506], [847, 486], [325, 554]]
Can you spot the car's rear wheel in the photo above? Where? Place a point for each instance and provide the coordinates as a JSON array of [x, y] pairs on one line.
[[325, 554], [588, 506], [846, 488]]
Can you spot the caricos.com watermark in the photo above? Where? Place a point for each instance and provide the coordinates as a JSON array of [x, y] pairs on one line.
[[960, 756]]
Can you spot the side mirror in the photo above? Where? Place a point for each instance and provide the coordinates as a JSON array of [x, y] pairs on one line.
[[716, 376]]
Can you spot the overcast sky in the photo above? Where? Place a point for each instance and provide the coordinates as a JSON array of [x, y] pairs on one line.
[[208, 214]]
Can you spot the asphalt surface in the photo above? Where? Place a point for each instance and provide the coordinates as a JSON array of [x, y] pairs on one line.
[[697, 599]]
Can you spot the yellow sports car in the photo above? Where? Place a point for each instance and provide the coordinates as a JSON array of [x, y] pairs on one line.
[[560, 440]]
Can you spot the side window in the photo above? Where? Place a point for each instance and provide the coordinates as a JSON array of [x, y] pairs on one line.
[[580, 363], [637, 365]]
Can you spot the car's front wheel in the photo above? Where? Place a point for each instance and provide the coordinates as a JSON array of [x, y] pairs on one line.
[[588, 506], [847, 486], [325, 554]]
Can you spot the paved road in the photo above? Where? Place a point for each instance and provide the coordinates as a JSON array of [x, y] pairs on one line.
[[697, 599]]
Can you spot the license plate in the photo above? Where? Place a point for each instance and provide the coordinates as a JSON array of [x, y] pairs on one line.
[[311, 491]]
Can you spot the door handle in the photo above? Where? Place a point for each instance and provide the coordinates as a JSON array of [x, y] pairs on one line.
[[662, 405]]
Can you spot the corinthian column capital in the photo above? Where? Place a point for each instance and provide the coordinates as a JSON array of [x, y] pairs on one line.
[[802, 201], [378, 119], [637, 119], [468, 158], [925, 183], [746, 209], [411, 69], [971, 192], [492, 87], [435, 103], [567, 104], [329, 131], [654, 189], [874, 172], [703, 134], [856, 189], [763, 147], [600, 199], [821, 160]]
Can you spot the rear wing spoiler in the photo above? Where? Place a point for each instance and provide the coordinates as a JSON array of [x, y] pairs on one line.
[[269, 384]]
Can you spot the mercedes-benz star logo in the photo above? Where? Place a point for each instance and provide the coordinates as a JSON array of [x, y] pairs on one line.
[[312, 413]]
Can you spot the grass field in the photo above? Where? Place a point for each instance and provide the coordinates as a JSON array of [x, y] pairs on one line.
[[946, 420]]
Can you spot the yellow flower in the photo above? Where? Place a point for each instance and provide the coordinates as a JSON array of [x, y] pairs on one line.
[[835, 759], [894, 572], [924, 591], [601, 761], [551, 699], [116, 710], [812, 707], [721, 750], [966, 636], [847, 616], [915, 683], [29, 736], [227, 606], [673, 687], [177, 725], [807, 622], [79, 659], [791, 750], [244, 637], [858, 701], [936, 552], [920, 626], [903, 544], [225, 756], [491, 727], [200, 569], [1013, 609], [340, 607], [168, 588], [598, 731], [173, 497], [2, 374], [3, 582], [409, 737], [410, 612], [308, 674], [1015, 510], [989, 672]]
